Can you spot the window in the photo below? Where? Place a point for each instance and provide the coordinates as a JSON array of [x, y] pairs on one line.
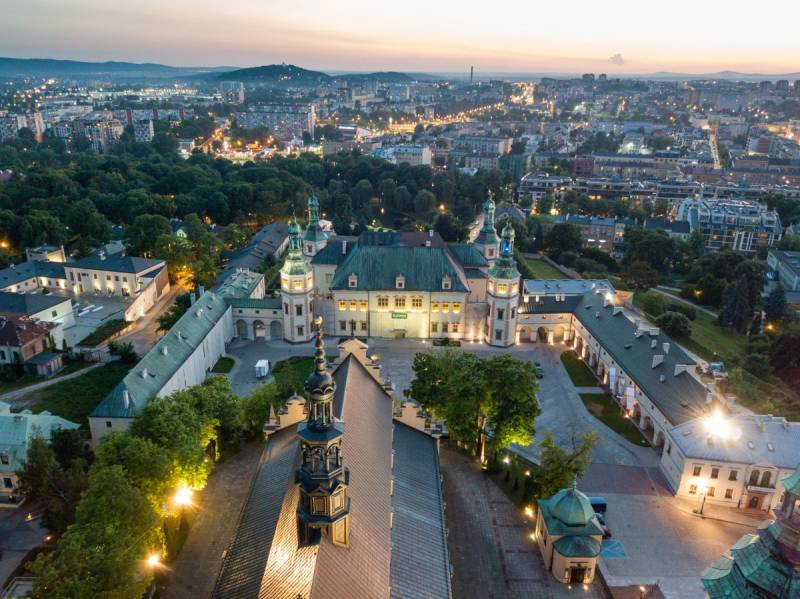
[[434, 306], [352, 281], [416, 302], [498, 334], [299, 331], [95, 276], [734, 474], [715, 473], [400, 282], [491, 252], [116, 277], [710, 492], [502, 287], [454, 327], [4, 459], [342, 325], [298, 310], [513, 312], [446, 283], [108, 277], [383, 301], [399, 302], [108, 424], [286, 308], [697, 470], [445, 307], [298, 284], [669, 448], [364, 306], [444, 327], [500, 313], [456, 308], [692, 489], [434, 327], [728, 493], [353, 305], [363, 325], [2, 354], [342, 305]]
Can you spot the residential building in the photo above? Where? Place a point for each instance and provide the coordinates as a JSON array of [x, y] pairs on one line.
[[29, 343], [733, 460], [414, 155], [35, 306], [597, 232], [765, 564], [482, 161], [486, 145], [537, 185], [282, 120], [16, 432], [232, 92], [10, 126], [569, 535], [786, 265], [677, 229], [740, 225], [143, 131]]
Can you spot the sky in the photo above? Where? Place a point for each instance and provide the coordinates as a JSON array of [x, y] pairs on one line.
[[567, 36]]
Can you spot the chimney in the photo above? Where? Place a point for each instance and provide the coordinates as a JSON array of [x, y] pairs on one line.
[[144, 373], [661, 379], [657, 360], [200, 290], [126, 399], [192, 297], [164, 350], [344, 247], [430, 233], [653, 344], [102, 254], [665, 347]]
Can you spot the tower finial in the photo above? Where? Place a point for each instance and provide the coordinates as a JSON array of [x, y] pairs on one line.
[[320, 364]]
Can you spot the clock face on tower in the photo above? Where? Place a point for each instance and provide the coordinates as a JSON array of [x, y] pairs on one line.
[[505, 246]]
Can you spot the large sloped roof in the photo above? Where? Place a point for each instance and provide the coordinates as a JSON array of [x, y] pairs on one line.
[[28, 303]]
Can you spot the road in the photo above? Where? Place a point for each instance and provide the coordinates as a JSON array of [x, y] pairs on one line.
[[12, 396], [17, 538], [146, 333], [665, 291]]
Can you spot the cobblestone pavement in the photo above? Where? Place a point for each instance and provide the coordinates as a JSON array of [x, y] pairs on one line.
[[194, 573], [488, 539]]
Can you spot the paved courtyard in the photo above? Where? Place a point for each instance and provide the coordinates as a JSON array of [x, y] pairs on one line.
[[17, 537]]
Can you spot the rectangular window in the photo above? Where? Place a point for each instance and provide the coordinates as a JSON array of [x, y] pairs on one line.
[[4, 459], [434, 306], [728, 493], [416, 302], [454, 327], [363, 325], [383, 301], [342, 325], [342, 305], [434, 327], [733, 475], [715, 473], [711, 491], [502, 287], [445, 307], [456, 308], [353, 305], [399, 302], [692, 489], [500, 313], [697, 470], [498, 335], [298, 310], [513, 312], [364, 306], [108, 424], [7, 482], [286, 308], [300, 331], [444, 327], [108, 277]]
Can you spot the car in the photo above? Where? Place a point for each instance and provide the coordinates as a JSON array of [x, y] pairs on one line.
[[537, 364], [539, 374]]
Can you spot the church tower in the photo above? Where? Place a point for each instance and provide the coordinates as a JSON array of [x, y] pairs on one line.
[[486, 241], [297, 286], [314, 238], [502, 294], [324, 507]]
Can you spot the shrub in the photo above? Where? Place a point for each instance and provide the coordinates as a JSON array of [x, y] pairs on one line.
[[687, 311], [674, 324]]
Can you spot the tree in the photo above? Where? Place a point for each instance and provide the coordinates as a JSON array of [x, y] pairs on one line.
[[775, 304], [103, 554], [473, 395], [449, 227], [675, 324], [737, 309], [559, 467], [641, 275], [144, 231], [124, 351], [538, 238], [424, 204], [545, 203], [563, 237], [758, 365], [167, 319]]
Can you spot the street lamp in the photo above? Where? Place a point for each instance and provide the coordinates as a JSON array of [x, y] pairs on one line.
[[153, 560], [183, 496], [703, 489]]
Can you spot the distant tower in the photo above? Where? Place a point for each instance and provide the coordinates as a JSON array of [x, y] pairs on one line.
[[324, 507], [314, 238], [297, 286], [486, 241], [502, 293], [471, 73]]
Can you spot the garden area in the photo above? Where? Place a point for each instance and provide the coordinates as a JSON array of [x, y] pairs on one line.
[[106, 330], [530, 268], [579, 373], [26, 379], [603, 407], [223, 366], [74, 399]]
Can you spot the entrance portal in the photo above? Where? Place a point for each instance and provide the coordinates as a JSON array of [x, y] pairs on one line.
[[577, 574]]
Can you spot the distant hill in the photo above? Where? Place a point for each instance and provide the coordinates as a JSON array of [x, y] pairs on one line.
[[288, 74], [49, 67], [721, 75], [386, 76]]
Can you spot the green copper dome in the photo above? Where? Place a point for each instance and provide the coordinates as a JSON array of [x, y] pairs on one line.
[[571, 507]]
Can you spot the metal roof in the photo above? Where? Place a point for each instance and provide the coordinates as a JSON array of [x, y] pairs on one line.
[[28, 303], [16, 431], [115, 263]]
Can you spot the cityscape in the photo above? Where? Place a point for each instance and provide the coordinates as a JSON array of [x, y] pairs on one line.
[[458, 314]]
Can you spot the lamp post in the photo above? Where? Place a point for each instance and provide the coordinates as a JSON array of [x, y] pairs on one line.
[[703, 489]]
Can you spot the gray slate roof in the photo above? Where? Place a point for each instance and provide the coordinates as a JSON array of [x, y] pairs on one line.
[[332, 252], [467, 255], [266, 242], [116, 263], [28, 303], [32, 268]]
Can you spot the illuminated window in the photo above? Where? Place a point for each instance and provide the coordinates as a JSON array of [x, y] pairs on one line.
[[692, 489], [383, 301], [416, 302], [363, 305], [454, 327], [342, 305], [298, 284], [697, 470], [284, 283], [728, 493], [502, 287], [445, 306], [456, 308], [434, 306], [363, 325], [434, 327], [353, 305], [710, 492], [514, 288], [399, 302], [490, 286]]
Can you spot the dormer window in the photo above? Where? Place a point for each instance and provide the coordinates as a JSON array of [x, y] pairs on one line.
[[490, 252], [400, 282], [446, 283], [352, 281]]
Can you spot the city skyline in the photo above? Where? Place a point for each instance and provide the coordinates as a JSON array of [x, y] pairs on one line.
[[423, 38]]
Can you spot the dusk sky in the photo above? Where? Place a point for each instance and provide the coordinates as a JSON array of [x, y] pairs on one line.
[[613, 36]]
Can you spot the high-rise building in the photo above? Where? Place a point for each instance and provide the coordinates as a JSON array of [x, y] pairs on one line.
[[232, 92], [282, 120], [143, 131]]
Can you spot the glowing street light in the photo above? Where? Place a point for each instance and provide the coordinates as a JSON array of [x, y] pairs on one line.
[[183, 496], [153, 560]]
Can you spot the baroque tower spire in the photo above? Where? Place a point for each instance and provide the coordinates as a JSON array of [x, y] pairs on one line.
[[324, 507]]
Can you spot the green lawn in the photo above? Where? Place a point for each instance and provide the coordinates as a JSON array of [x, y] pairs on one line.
[[75, 398], [577, 370], [603, 407], [28, 379], [537, 269], [103, 332], [293, 372], [223, 366]]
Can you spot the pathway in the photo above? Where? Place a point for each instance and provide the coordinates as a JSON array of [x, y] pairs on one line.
[[665, 291], [13, 396], [489, 541]]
